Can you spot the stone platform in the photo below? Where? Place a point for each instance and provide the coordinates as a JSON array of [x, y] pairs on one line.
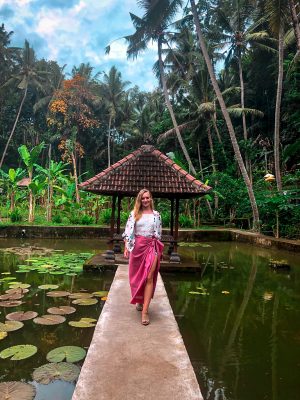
[[127, 360]]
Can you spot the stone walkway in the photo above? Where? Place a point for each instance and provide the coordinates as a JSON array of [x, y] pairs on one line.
[[128, 361]]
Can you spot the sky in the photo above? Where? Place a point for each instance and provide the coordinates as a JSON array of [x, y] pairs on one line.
[[75, 31]]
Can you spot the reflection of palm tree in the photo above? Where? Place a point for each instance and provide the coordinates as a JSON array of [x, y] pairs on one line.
[[274, 346], [239, 315]]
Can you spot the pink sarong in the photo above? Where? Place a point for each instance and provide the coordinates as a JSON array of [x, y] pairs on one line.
[[140, 262]]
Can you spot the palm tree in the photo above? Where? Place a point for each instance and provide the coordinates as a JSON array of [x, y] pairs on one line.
[[27, 76], [227, 118], [112, 91], [158, 15]]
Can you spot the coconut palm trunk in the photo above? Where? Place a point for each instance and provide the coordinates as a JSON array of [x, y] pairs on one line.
[[108, 140], [296, 26], [170, 108], [14, 126], [277, 109], [75, 177], [31, 200], [227, 118]]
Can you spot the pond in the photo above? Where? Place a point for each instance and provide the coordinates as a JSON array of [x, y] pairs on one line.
[[240, 321], [69, 255]]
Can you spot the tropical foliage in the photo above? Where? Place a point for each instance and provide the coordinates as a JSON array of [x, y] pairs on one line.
[[226, 106]]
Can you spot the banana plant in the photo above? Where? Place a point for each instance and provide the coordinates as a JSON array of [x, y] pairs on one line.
[[30, 158], [55, 178], [10, 181]]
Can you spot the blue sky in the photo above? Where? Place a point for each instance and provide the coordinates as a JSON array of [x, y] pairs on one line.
[[75, 31]]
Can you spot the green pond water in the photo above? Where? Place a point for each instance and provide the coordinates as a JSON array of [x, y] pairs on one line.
[[243, 343], [46, 338]]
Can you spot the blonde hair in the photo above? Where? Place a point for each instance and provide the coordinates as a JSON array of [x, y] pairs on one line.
[[138, 208]]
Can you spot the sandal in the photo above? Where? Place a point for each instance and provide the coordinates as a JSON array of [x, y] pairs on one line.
[[145, 319], [139, 307]]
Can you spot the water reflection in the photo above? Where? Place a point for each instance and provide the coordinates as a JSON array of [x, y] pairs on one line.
[[242, 338]]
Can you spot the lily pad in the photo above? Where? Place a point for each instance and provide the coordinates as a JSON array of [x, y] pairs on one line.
[[3, 336], [19, 352], [80, 295], [48, 287], [61, 310], [83, 323], [58, 293], [17, 391], [21, 315], [49, 319], [15, 285], [12, 303], [194, 293], [101, 293], [17, 291], [49, 372], [5, 273], [85, 302], [11, 296], [71, 354], [10, 326]]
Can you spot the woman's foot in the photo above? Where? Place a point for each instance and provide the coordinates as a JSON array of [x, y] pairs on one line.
[[145, 318], [139, 307]]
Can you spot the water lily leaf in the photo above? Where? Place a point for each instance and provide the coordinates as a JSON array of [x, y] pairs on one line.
[[5, 273], [17, 391], [225, 292], [101, 293], [82, 323], [58, 293], [57, 272], [80, 295], [2, 336], [90, 320], [61, 310], [17, 291], [85, 302], [8, 278], [47, 287], [71, 354], [49, 319], [194, 293], [11, 296], [49, 372], [19, 352], [10, 326], [10, 303], [15, 285], [21, 315]]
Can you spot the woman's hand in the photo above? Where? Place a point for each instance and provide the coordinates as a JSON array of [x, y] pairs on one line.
[[126, 253]]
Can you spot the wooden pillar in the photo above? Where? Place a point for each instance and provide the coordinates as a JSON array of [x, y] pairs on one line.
[[119, 214], [112, 220], [172, 217], [176, 222]]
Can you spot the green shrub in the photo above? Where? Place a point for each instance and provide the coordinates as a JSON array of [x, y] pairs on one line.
[[15, 215], [74, 219], [165, 218], [185, 221], [105, 216], [57, 219], [87, 220], [124, 217]]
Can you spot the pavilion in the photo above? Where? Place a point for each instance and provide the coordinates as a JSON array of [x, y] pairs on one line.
[[148, 168]]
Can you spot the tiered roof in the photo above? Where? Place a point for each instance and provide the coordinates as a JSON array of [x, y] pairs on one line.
[[148, 168]]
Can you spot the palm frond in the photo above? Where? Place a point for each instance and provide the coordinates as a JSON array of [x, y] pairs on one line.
[[239, 111], [172, 132]]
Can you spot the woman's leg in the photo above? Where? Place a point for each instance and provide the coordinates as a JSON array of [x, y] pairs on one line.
[[149, 288]]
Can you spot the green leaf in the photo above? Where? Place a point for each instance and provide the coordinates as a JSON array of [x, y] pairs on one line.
[[10, 326], [19, 352], [47, 287], [71, 354], [17, 391], [85, 302], [49, 372]]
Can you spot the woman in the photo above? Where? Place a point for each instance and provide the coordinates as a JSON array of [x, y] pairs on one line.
[[141, 237]]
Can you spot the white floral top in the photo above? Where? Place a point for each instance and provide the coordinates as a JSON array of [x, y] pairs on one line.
[[148, 225]]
